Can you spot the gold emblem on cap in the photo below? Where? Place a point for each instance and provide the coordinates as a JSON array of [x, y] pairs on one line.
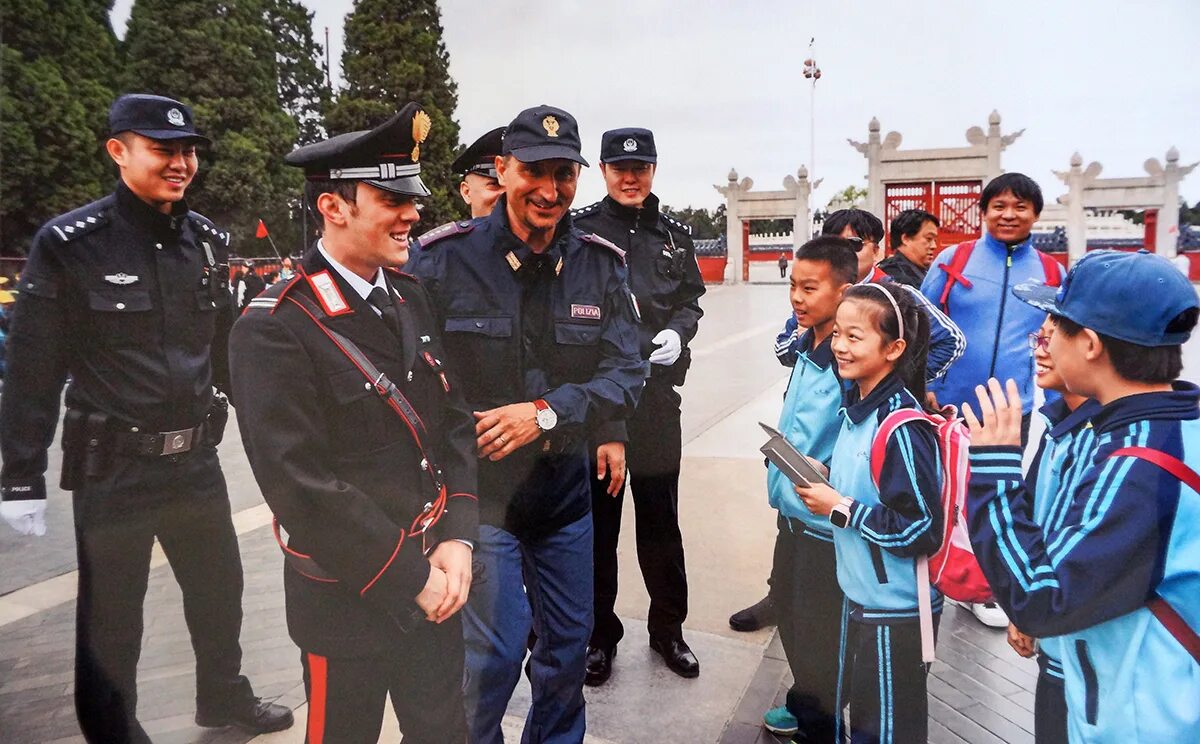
[[550, 124], [513, 261], [421, 126]]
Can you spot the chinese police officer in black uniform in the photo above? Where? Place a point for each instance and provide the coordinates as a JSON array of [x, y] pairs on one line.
[[364, 450], [130, 296], [541, 325], [666, 281], [480, 187]]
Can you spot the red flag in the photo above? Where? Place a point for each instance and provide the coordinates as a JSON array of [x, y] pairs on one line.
[[261, 232]]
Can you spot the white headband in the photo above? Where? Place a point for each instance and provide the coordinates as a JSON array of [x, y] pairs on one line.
[[895, 306]]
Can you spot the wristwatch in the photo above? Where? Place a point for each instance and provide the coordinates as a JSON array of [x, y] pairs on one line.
[[840, 515], [546, 418]]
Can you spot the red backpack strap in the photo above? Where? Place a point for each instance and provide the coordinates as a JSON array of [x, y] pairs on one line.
[[893, 421], [1162, 610], [954, 272], [1052, 269]]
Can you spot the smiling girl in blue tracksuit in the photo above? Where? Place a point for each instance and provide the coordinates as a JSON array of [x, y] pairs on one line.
[[879, 343]]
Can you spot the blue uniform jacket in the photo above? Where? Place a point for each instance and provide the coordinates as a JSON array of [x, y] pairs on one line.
[[996, 324], [1130, 530], [946, 342], [893, 524], [1063, 456], [590, 371], [809, 420]]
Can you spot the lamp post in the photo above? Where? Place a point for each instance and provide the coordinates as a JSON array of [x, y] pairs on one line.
[[813, 73]]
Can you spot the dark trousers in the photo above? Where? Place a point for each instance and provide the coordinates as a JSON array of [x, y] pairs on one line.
[[116, 522], [809, 602], [1049, 707], [652, 456], [424, 676], [884, 683]]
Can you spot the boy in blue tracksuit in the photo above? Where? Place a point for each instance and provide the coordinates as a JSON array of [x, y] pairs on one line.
[[803, 573], [1063, 456], [880, 531], [1117, 578]]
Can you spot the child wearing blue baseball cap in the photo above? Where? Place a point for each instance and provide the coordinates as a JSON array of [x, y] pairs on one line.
[[1116, 574]]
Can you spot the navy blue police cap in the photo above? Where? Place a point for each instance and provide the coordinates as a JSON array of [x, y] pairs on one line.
[[629, 143], [480, 157], [156, 117], [387, 157], [543, 133]]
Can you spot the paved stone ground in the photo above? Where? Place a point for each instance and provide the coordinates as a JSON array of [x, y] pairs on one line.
[[980, 691]]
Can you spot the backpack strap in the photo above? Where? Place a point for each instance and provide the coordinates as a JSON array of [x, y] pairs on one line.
[[954, 272], [893, 421], [1159, 607], [1052, 269]]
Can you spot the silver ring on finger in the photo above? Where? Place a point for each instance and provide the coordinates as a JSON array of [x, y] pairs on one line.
[[500, 439]]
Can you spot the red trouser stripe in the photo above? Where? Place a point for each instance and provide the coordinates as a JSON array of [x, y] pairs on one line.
[[317, 692]]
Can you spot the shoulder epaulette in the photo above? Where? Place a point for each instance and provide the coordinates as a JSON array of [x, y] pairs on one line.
[[445, 231], [681, 226], [270, 297], [595, 239], [79, 223], [582, 211], [208, 227]]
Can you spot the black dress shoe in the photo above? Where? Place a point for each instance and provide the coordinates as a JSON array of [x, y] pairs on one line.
[[243, 709], [678, 655], [755, 617], [599, 665]]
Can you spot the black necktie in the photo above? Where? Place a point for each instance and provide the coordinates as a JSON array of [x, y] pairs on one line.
[[381, 300]]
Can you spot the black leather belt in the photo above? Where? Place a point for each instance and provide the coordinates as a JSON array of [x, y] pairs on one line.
[[159, 443]]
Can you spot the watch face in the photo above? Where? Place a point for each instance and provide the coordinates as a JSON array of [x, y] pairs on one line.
[[546, 419]]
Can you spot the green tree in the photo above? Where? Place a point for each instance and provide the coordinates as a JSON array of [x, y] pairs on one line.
[[303, 91], [847, 197], [59, 60], [395, 54], [221, 58]]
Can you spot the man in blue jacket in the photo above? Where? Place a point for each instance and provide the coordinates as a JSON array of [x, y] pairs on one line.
[[538, 318], [1116, 576]]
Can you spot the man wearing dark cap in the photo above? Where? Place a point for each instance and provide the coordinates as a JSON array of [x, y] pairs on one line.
[[540, 321], [129, 296], [357, 433], [666, 281], [480, 187]]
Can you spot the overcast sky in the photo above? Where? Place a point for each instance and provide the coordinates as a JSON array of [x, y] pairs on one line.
[[720, 82]]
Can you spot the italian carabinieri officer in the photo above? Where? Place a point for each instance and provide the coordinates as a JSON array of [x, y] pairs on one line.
[[362, 446]]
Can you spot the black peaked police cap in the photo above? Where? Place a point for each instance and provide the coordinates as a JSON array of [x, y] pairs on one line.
[[386, 157], [157, 117], [480, 157], [543, 133]]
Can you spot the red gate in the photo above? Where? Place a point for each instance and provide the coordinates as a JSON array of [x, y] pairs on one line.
[[954, 203]]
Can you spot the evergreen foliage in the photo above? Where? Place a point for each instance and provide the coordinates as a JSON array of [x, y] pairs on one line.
[[394, 54]]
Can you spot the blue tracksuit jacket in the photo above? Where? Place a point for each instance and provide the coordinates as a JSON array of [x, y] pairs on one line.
[[809, 420], [997, 325], [1062, 458], [893, 524], [1129, 531]]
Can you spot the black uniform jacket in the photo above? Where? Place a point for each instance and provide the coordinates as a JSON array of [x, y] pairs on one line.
[[341, 471], [582, 358], [135, 305]]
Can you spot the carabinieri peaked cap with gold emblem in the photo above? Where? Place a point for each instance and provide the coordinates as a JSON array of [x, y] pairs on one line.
[[543, 133], [480, 157], [387, 157], [157, 117]]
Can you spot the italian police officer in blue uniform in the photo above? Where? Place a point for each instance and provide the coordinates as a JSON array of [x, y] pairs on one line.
[[129, 296], [538, 318], [358, 435], [666, 281]]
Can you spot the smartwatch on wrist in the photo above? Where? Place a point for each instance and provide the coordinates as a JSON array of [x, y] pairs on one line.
[[840, 515], [546, 418]]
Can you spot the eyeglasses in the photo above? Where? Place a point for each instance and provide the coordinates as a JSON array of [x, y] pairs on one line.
[[1037, 341]]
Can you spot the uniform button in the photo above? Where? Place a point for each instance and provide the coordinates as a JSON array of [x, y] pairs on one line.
[[410, 375], [214, 304], [366, 386], [424, 464], [120, 305], [158, 246], [479, 324], [632, 231]]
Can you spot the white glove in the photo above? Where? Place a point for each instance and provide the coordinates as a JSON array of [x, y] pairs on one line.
[[669, 347], [26, 517]]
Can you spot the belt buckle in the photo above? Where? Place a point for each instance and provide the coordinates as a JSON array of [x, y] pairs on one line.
[[175, 442]]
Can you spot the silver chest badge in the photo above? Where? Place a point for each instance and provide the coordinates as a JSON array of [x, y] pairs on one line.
[[120, 279]]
